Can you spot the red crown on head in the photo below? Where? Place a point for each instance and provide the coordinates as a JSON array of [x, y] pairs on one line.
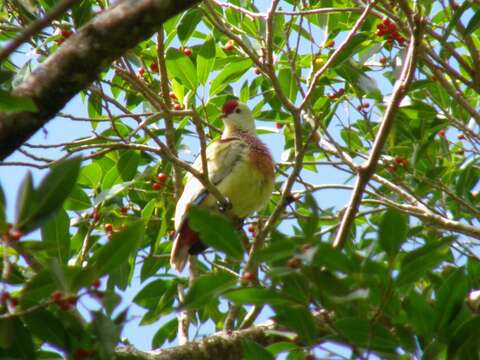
[[229, 106]]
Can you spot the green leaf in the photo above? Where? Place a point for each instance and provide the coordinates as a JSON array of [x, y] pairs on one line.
[[181, 67], [187, 24], [353, 47], [288, 83], [465, 339], [473, 24], [257, 296], [208, 287], [91, 175], [13, 103], [392, 231], [44, 325], [167, 332], [420, 313], [16, 339], [119, 248], [363, 333], [205, 60], [78, 200], [25, 198], [217, 231], [417, 262], [52, 192], [450, 298], [56, 231], [127, 165], [298, 319], [255, 351], [149, 296], [230, 73], [107, 333]]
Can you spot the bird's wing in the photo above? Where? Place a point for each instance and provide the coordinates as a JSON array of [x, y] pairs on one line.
[[222, 156]]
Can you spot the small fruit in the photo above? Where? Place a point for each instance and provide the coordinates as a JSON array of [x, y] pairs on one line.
[[248, 277], [398, 160], [279, 125], [441, 133], [66, 33], [319, 61], [15, 235], [95, 216], [461, 136], [172, 234], [340, 92], [124, 210], [5, 297], [187, 51], [229, 46], [178, 106], [257, 71], [154, 67], [56, 296], [172, 95], [96, 284], [108, 228], [391, 169], [251, 228], [140, 72], [162, 177], [156, 186], [330, 44], [294, 263], [332, 96], [383, 61]]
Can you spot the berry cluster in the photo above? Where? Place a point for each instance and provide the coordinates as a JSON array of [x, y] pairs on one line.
[[389, 30], [176, 104], [64, 301], [335, 95], [64, 35], [160, 181]]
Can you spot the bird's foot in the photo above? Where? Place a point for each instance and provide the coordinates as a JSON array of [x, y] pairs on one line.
[[224, 206]]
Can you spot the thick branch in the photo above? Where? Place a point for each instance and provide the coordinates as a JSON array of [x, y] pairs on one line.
[[79, 61], [366, 171]]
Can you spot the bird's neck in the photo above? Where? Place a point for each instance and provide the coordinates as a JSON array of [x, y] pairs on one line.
[[233, 131]]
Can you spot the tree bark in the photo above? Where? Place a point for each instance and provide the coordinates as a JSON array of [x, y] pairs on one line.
[[79, 61]]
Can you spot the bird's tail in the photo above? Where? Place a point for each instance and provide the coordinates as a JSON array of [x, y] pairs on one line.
[[184, 240]]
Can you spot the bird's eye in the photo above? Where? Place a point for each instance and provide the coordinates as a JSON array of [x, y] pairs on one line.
[[238, 111]]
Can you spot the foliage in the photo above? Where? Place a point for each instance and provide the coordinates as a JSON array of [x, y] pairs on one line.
[[403, 282]]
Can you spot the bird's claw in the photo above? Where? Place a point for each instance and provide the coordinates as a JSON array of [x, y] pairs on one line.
[[224, 206]]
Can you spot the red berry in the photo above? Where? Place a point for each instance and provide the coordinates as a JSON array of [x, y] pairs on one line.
[[124, 210], [383, 60], [162, 177], [156, 186], [140, 72], [56, 296], [251, 228], [294, 263], [254, 234], [108, 227], [15, 235], [172, 95], [229, 46], [365, 105], [332, 96], [5, 297], [14, 302], [178, 106], [391, 169], [257, 71], [66, 34], [461, 136], [433, 78], [72, 300], [96, 284], [248, 276], [154, 67], [398, 160], [187, 51], [279, 125], [340, 92], [95, 216], [99, 294], [441, 133]]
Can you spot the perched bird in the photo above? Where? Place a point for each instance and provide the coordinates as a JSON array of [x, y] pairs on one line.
[[239, 165]]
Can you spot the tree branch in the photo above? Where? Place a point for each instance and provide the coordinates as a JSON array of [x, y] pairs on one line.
[[366, 171], [79, 61]]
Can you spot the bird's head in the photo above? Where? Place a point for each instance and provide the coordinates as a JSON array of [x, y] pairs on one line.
[[237, 117]]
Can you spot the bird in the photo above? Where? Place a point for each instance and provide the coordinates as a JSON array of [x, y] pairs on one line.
[[240, 165]]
